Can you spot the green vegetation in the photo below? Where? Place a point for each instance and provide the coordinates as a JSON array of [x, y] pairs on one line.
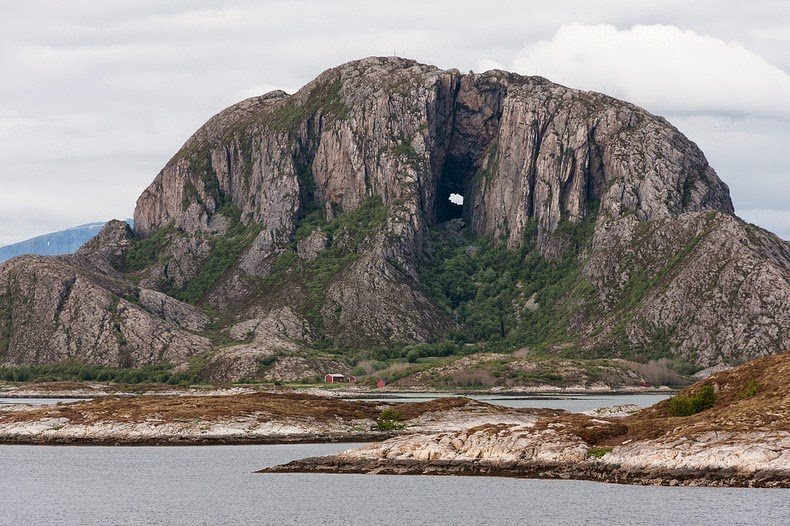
[[345, 235], [73, 372], [751, 390], [405, 150], [389, 419], [483, 284], [201, 165], [598, 452], [266, 362], [145, 252], [680, 405], [226, 250], [324, 98]]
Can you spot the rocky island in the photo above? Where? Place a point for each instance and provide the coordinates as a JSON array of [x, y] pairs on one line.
[[741, 439], [295, 235], [429, 229], [740, 436]]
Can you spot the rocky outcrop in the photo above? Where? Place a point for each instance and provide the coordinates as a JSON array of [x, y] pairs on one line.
[[273, 204], [80, 308], [742, 440], [706, 285]]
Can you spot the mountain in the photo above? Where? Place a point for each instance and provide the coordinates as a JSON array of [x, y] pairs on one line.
[[319, 223], [54, 244]]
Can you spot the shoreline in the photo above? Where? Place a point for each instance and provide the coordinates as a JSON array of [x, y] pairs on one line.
[[740, 438], [306, 438], [361, 394], [587, 470]]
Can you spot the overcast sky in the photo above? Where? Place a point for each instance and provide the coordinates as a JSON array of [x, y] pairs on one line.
[[96, 96]]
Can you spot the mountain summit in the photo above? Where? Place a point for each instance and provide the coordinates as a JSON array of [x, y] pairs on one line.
[[322, 220]]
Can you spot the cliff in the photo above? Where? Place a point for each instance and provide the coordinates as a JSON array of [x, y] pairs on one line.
[[588, 226]]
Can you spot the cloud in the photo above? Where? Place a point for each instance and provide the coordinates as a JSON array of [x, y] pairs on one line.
[[662, 68], [95, 97]]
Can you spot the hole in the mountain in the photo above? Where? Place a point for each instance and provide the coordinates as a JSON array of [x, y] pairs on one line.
[[450, 193]]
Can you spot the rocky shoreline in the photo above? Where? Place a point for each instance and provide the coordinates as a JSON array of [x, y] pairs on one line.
[[741, 437], [587, 470]]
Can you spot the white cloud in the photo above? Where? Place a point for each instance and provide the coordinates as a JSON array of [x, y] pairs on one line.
[[96, 96], [662, 68]]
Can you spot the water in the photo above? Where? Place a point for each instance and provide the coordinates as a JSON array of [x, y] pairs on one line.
[[41, 401], [575, 403], [215, 485], [570, 402]]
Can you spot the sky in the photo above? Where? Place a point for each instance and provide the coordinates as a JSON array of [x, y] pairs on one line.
[[95, 97]]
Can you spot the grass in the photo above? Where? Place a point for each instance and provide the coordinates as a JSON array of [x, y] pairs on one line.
[[345, 233], [750, 391], [389, 419], [598, 452], [324, 98]]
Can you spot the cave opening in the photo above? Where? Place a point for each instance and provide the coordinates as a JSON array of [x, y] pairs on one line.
[[451, 190]]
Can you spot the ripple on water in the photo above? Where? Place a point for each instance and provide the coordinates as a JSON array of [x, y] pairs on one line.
[[215, 485]]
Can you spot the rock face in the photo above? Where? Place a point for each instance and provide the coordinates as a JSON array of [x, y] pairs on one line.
[[321, 202]]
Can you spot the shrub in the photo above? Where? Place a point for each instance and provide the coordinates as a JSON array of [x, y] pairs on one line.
[[598, 452], [389, 419], [76, 372], [751, 390], [680, 405], [266, 362], [225, 251], [145, 251], [472, 379]]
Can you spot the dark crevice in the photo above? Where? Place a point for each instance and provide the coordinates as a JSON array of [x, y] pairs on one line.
[[477, 109], [595, 179]]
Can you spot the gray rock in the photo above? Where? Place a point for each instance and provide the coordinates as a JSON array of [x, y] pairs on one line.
[[522, 151]]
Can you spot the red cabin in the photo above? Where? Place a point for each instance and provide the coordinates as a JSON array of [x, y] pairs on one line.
[[339, 379]]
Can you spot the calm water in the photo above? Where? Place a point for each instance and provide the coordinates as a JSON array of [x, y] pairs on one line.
[[570, 402], [40, 401], [215, 485]]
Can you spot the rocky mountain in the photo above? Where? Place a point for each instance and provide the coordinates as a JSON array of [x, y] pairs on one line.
[[321, 221], [53, 244]]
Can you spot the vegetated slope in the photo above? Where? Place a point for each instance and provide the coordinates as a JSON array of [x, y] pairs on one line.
[[749, 398], [321, 219]]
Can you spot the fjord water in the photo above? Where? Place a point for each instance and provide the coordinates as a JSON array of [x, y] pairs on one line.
[[216, 485], [575, 403]]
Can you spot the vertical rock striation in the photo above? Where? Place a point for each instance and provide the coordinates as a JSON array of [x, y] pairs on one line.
[[225, 214]]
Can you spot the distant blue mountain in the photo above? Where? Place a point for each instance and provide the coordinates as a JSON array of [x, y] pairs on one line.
[[62, 242]]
